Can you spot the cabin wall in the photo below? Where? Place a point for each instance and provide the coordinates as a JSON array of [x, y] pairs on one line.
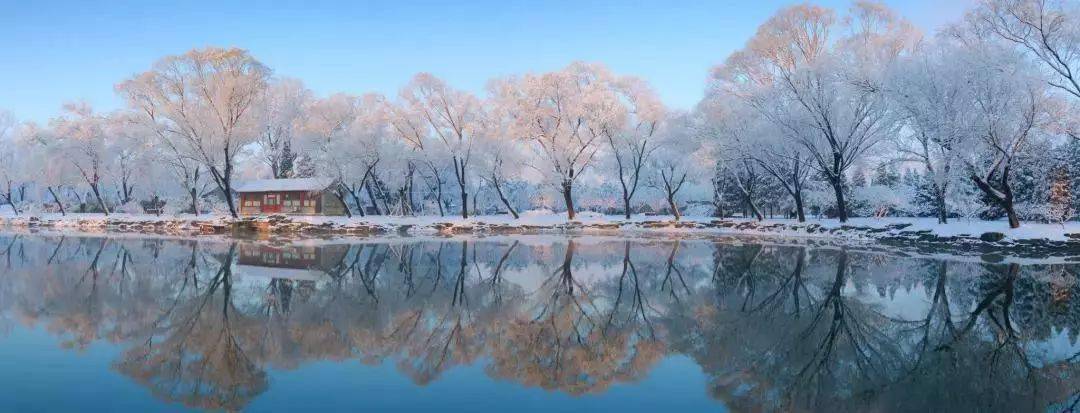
[[251, 203], [284, 202]]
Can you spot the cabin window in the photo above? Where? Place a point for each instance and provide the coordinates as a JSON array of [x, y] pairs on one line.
[[309, 203], [270, 199]]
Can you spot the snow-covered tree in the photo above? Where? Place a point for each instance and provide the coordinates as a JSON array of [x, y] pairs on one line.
[[448, 122], [204, 101], [11, 167], [560, 115], [632, 140], [933, 98], [1011, 108], [83, 140], [503, 155], [753, 146], [830, 88], [280, 114], [680, 158]]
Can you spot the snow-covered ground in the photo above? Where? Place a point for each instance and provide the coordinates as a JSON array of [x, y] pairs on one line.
[[914, 236], [958, 227], [855, 228]]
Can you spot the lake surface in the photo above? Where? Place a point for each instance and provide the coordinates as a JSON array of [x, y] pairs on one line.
[[535, 323]]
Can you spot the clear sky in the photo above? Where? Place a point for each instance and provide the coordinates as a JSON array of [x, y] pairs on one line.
[[52, 52]]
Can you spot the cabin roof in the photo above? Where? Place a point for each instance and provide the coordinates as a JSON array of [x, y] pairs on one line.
[[289, 184]]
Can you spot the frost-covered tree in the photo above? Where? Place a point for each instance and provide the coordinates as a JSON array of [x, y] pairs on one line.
[[280, 112], [83, 139], [503, 155], [632, 139], [11, 167], [830, 82], [1011, 108], [448, 122], [933, 99], [680, 159], [560, 115], [760, 147], [130, 152], [44, 163], [204, 101], [348, 137]]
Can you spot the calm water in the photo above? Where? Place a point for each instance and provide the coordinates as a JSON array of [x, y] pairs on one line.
[[536, 324]]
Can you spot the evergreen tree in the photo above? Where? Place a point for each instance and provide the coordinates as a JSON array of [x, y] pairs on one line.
[[886, 175], [288, 160], [922, 193], [858, 177]]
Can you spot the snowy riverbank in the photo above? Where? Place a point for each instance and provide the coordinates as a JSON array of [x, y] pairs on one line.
[[922, 233]]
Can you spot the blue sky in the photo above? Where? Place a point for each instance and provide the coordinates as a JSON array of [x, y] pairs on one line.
[[54, 52]]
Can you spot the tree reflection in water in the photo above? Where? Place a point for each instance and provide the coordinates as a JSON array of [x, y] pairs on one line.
[[774, 327]]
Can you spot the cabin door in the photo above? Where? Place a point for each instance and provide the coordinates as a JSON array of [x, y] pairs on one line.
[[271, 203]]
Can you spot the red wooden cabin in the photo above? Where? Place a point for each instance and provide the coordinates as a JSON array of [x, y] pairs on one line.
[[292, 196]]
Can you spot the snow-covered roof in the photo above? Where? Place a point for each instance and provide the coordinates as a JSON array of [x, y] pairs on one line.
[[290, 184]]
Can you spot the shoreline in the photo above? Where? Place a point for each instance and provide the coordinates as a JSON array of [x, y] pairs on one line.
[[907, 234]]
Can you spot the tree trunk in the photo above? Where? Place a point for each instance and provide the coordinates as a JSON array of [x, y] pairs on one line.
[[371, 196], [412, 199], [568, 197], [674, 207], [229, 199], [939, 201], [464, 202], [475, 202], [1010, 211], [459, 173], [498, 190], [224, 182], [439, 199], [841, 204], [799, 212], [194, 194], [1004, 198], [101, 202], [626, 205], [356, 200], [755, 210], [13, 208], [59, 204], [11, 200]]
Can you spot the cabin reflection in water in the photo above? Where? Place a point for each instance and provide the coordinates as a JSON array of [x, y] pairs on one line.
[[289, 262]]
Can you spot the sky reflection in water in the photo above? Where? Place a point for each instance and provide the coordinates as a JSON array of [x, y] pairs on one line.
[[533, 324]]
